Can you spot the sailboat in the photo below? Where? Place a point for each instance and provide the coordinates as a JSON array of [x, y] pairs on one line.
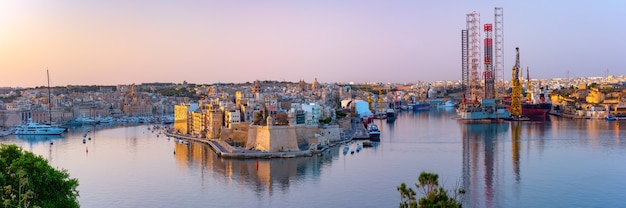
[[34, 128]]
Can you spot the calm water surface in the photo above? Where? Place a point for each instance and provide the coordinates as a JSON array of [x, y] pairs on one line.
[[558, 163]]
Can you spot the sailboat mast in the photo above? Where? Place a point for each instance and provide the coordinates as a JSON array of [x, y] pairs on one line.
[[49, 97]]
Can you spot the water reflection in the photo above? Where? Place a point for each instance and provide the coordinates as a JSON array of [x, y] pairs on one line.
[[35, 140], [260, 175], [479, 149]]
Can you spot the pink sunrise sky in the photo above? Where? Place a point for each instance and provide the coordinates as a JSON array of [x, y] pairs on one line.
[[124, 42]]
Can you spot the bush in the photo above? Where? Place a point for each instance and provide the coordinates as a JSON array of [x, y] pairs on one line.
[[433, 195], [28, 180]]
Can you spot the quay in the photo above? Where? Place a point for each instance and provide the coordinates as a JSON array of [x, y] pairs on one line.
[[225, 150]]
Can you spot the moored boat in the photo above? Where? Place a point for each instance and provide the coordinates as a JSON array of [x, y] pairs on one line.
[[7, 132], [391, 114], [33, 128], [538, 110], [610, 117], [449, 104], [421, 106], [373, 132]]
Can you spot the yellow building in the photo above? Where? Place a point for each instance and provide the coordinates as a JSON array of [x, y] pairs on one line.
[[215, 120], [595, 96], [238, 97], [197, 124], [180, 118]]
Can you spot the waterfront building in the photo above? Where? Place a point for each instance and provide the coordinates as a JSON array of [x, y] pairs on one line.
[[197, 123], [215, 121], [182, 117], [233, 117]]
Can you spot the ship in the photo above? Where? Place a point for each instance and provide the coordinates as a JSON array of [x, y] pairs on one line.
[[373, 132], [535, 107], [533, 110]]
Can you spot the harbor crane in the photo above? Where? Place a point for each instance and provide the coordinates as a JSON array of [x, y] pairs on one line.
[[516, 93]]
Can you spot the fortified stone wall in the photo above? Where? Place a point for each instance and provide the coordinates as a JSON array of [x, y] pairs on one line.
[[303, 133], [273, 138], [330, 133], [283, 138], [345, 123], [9, 118], [238, 133]]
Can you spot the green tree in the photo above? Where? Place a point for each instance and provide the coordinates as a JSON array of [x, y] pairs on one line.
[[433, 195], [327, 120], [28, 180], [340, 114]]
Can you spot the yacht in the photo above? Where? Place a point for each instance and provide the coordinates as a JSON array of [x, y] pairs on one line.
[[33, 128]]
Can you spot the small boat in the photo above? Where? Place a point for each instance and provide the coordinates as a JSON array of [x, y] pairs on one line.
[[391, 114], [449, 104], [7, 132], [421, 106], [84, 141], [367, 144], [610, 118]]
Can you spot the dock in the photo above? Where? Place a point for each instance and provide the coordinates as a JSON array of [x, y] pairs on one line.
[[360, 133], [225, 150]]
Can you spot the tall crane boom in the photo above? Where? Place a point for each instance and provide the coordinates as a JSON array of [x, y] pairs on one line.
[[516, 93]]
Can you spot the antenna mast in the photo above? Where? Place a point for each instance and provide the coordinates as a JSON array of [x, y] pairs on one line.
[[49, 97]]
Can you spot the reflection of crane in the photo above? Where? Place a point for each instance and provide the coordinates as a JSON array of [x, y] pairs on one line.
[[516, 93]]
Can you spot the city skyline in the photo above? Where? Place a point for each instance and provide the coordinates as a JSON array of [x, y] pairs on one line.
[[119, 42]]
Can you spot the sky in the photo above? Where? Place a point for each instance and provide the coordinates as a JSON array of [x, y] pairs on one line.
[[124, 42]]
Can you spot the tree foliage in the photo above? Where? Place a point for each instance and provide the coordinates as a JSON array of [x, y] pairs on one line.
[[28, 181], [433, 195], [340, 114], [179, 92], [327, 120]]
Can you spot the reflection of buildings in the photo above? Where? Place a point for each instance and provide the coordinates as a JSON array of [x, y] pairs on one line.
[[479, 150], [483, 156], [259, 175]]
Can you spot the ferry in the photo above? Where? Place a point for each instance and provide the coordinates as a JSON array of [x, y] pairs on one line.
[[33, 128]]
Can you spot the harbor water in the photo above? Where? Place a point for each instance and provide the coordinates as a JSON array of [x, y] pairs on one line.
[[557, 163]]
